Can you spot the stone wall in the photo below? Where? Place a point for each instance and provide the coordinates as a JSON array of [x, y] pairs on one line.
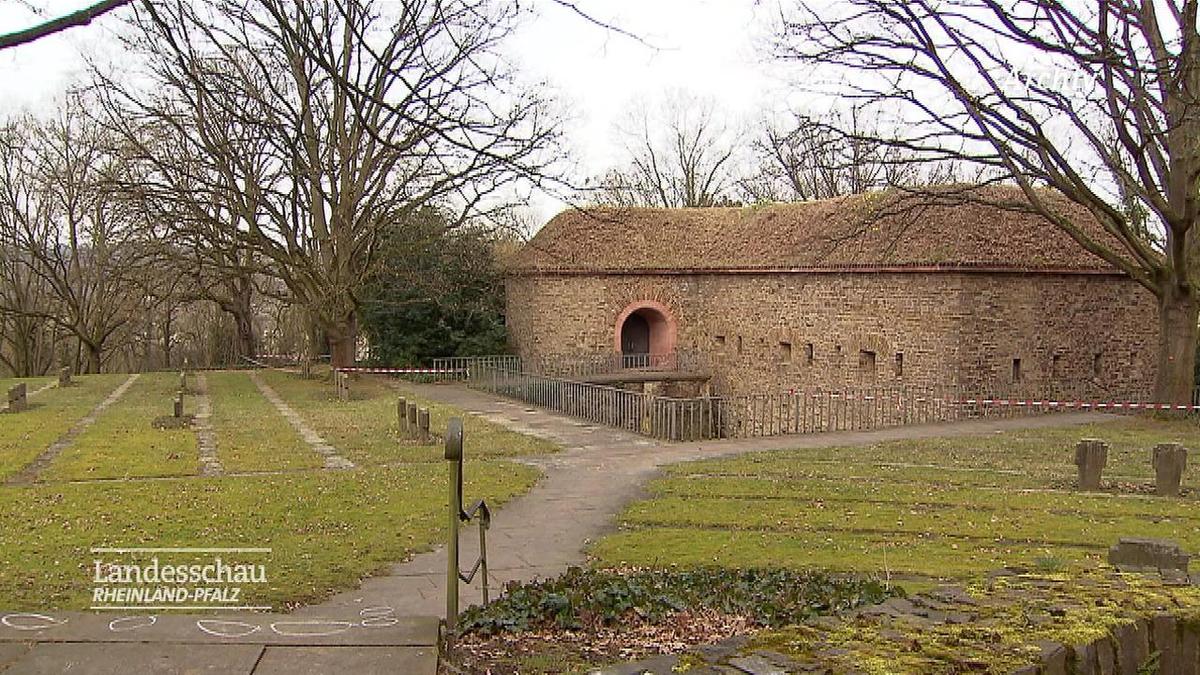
[[1079, 334]]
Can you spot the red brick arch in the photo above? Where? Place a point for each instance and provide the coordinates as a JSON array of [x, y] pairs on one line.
[[663, 328]]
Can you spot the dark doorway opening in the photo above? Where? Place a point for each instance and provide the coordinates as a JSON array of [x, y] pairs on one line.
[[635, 335]]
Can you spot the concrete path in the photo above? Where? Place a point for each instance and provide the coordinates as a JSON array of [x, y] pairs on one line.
[[601, 470], [33, 470], [373, 642], [332, 459]]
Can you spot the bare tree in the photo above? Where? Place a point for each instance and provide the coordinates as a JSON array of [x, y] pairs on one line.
[[67, 228], [1105, 112], [80, 17], [678, 154], [308, 126], [818, 157]]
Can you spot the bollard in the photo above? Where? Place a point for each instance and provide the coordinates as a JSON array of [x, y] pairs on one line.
[[64, 376], [17, 398], [412, 420], [179, 404], [343, 385], [1169, 461], [183, 380], [423, 425], [402, 414], [1090, 457]]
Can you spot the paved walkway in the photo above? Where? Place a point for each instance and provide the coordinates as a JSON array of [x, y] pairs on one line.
[[373, 641], [332, 459], [206, 437], [600, 471], [34, 469]]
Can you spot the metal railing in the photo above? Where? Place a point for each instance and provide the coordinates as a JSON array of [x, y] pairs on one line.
[[805, 411], [582, 365], [460, 367], [479, 511]]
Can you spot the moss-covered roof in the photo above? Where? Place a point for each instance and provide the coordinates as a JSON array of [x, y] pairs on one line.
[[867, 231]]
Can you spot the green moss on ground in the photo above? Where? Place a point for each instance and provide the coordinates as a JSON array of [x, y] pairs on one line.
[[1011, 616]]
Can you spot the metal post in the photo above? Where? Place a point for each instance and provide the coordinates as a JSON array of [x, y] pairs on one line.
[[454, 455]]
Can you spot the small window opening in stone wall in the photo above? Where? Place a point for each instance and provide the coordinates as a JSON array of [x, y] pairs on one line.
[[719, 340], [1056, 366], [739, 344], [785, 352], [809, 354], [1016, 370], [899, 364], [1097, 365], [866, 364]]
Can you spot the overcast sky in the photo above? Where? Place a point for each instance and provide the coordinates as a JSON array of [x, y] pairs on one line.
[[706, 47]]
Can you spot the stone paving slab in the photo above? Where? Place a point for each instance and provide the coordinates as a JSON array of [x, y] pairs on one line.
[[348, 660], [370, 627], [119, 659]]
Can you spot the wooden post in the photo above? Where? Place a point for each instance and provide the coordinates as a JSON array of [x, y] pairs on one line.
[[183, 380], [1169, 461], [423, 425], [412, 420], [402, 415], [1090, 457], [179, 404]]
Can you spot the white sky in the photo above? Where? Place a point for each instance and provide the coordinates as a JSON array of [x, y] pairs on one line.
[[704, 47]]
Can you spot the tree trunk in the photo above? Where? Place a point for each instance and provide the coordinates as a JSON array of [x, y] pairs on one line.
[[93, 353], [1179, 309], [342, 342], [247, 342]]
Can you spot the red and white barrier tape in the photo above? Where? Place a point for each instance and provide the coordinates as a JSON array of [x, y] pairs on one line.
[[1084, 405], [1015, 403], [405, 371]]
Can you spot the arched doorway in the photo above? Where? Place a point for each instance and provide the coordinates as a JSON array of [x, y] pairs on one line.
[[644, 334], [635, 335]]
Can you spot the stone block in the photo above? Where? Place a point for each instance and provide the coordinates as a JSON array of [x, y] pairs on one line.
[[1090, 457], [1133, 645], [64, 376], [1140, 554], [1055, 658], [423, 425], [18, 399], [1169, 461], [178, 405]]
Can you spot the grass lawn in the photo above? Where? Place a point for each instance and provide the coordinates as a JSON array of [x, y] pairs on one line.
[[365, 429], [123, 444], [243, 419], [32, 384], [917, 510], [326, 529], [25, 435]]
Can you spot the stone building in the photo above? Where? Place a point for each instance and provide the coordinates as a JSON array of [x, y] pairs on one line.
[[870, 290]]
